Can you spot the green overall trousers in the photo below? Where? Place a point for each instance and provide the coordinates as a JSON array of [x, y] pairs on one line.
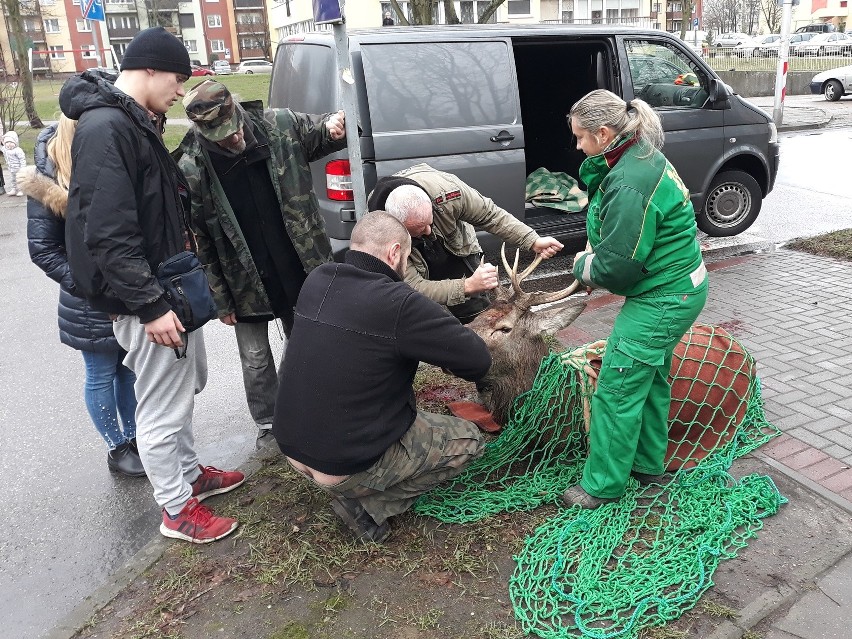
[[630, 408]]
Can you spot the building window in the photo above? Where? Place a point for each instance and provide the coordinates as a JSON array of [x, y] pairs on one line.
[[518, 7], [84, 26], [214, 20], [191, 46], [186, 20], [47, 3], [249, 43], [51, 25], [217, 46], [249, 18], [56, 52], [88, 51], [123, 22], [120, 48]]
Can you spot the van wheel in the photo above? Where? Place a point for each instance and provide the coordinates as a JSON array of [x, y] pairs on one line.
[[832, 91], [732, 204]]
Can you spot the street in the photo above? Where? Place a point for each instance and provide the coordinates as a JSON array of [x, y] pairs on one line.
[[70, 523]]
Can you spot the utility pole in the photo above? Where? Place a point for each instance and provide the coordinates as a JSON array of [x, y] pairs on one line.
[[331, 12], [783, 61]]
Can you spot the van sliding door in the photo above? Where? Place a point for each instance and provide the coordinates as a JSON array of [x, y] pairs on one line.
[[453, 105]]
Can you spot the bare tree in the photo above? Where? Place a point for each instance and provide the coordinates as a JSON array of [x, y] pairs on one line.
[[771, 11], [423, 11], [11, 105], [686, 19], [18, 37]]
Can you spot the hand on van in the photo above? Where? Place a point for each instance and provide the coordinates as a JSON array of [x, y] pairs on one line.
[[336, 125], [547, 247], [484, 278]]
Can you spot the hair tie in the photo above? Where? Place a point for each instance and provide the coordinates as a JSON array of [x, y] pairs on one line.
[[627, 107]]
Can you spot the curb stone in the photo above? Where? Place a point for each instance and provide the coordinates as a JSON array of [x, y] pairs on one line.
[[770, 602], [150, 553]]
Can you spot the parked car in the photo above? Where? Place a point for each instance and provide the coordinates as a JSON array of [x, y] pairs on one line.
[[746, 48], [833, 84], [254, 66], [827, 44], [820, 27], [199, 70], [505, 117], [730, 40], [796, 40], [767, 46], [222, 67]]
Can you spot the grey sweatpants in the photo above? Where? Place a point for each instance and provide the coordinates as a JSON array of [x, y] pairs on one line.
[[165, 393], [259, 376]]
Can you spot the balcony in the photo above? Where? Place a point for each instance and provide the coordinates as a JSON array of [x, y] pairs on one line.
[[674, 15], [122, 33], [248, 4], [251, 28]]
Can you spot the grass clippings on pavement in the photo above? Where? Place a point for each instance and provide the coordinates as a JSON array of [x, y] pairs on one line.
[[837, 244]]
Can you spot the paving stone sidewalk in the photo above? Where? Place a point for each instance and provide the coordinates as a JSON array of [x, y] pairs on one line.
[[793, 311]]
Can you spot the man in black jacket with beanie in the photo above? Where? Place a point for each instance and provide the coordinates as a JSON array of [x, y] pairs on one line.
[[127, 213], [346, 416]]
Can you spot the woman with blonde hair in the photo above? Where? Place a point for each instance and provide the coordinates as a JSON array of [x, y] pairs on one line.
[[642, 245], [109, 384]]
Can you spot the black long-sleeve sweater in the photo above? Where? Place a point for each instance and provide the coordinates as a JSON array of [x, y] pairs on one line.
[[359, 333]]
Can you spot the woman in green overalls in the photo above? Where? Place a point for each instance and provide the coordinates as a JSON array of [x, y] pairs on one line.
[[642, 245]]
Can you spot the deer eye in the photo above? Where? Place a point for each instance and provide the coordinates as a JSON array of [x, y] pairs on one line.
[[504, 329]]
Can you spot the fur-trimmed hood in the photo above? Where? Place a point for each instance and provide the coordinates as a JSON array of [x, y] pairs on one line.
[[42, 188]]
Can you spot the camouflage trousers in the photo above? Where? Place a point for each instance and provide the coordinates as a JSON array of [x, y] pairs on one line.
[[436, 448]]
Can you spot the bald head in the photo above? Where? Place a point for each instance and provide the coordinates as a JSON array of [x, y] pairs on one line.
[[411, 206], [384, 237]]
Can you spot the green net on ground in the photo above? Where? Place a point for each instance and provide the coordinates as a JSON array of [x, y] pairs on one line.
[[645, 559]]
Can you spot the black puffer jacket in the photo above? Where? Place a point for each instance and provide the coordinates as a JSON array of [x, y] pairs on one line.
[[126, 212], [80, 326]]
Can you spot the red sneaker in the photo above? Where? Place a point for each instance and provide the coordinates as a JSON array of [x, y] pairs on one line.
[[197, 524], [213, 481]]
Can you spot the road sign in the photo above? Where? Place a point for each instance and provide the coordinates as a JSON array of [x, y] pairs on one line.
[[93, 10], [327, 12], [695, 22]]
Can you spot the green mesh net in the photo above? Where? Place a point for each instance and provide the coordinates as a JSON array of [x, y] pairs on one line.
[[647, 558]]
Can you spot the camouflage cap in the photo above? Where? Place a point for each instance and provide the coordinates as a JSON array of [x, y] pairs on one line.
[[210, 106]]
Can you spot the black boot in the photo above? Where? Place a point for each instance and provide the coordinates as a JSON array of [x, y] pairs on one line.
[[125, 460]]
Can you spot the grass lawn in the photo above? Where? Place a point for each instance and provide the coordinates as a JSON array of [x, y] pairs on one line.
[[837, 244], [247, 87]]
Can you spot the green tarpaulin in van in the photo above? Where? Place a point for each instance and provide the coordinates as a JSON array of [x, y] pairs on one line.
[[555, 190]]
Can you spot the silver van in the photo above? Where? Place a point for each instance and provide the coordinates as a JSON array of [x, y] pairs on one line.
[[488, 103]]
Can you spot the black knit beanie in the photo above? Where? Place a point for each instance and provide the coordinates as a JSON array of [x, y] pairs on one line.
[[156, 48]]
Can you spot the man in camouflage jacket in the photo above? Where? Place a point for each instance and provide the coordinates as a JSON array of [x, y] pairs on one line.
[[255, 217]]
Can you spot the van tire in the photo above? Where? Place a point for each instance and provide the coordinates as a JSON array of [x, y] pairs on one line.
[[832, 90], [732, 204]]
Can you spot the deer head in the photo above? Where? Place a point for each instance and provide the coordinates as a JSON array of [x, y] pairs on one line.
[[516, 335]]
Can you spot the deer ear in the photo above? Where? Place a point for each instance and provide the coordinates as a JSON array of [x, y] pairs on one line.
[[555, 318]]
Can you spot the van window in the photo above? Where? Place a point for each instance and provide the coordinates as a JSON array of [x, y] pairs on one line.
[[298, 67], [464, 84], [665, 77]]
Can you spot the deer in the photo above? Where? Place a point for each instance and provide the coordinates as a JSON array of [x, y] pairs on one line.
[[711, 371]]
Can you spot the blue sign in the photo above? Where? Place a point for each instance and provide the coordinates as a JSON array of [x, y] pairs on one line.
[[93, 10], [695, 22], [327, 12]]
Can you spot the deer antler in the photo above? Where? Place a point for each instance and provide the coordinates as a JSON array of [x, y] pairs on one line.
[[538, 297]]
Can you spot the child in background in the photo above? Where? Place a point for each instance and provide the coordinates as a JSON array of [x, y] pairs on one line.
[[15, 160]]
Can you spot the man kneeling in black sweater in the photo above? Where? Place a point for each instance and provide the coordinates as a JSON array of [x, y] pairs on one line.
[[345, 416]]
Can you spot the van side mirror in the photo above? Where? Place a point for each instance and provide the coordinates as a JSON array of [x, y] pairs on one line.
[[719, 95]]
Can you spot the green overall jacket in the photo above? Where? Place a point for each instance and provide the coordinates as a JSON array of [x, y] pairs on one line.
[[640, 224], [295, 140]]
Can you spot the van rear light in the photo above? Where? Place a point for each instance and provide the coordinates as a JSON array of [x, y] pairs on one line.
[[338, 181]]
